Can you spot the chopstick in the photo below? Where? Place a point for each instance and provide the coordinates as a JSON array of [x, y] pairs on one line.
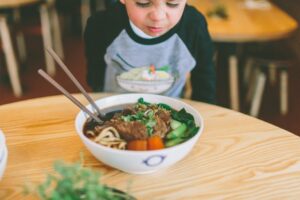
[[75, 81], [68, 95]]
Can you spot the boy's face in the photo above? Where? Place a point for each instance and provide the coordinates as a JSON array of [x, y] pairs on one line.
[[154, 17]]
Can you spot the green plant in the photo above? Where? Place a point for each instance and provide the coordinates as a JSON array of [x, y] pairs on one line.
[[74, 182]]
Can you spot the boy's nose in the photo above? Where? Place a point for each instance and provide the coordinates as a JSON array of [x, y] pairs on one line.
[[157, 14]]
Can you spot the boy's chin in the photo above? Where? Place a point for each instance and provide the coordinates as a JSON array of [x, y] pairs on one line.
[[156, 33]]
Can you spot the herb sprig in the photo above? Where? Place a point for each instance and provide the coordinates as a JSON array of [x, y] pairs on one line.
[[75, 182]]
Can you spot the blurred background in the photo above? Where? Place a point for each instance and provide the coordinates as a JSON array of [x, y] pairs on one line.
[[268, 69]]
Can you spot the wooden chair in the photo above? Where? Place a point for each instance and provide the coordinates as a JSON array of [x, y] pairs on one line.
[[263, 67], [86, 10], [10, 57], [89, 6], [49, 29]]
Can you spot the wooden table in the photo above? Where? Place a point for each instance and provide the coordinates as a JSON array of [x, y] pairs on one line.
[[16, 3], [237, 157], [244, 25]]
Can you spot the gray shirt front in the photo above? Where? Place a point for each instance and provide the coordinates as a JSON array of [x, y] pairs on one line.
[[124, 54]]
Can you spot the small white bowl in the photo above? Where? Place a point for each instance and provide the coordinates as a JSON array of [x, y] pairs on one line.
[[151, 86], [139, 162], [3, 154]]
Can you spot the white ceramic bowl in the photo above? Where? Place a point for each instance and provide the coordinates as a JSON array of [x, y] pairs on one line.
[[139, 162], [3, 154], [153, 87]]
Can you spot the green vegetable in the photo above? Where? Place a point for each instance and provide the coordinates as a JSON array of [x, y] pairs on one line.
[[191, 132], [147, 118], [173, 142], [126, 118], [74, 182], [182, 123], [141, 101], [184, 117], [178, 132], [150, 123], [175, 124], [164, 106]]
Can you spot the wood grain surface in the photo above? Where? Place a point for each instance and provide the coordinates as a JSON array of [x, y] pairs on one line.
[[237, 157], [246, 25], [16, 3]]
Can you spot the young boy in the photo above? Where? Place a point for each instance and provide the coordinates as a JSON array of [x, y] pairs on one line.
[[137, 33]]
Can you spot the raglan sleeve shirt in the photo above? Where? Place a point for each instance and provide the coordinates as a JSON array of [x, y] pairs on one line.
[[104, 27]]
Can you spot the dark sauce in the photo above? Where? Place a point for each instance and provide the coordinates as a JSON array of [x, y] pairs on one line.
[[108, 114]]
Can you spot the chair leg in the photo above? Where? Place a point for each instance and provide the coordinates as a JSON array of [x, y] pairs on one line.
[[85, 12], [57, 33], [234, 83], [10, 56], [256, 101], [272, 74], [283, 92], [21, 46], [248, 71], [20, 37], [252, 83], [47, 38]]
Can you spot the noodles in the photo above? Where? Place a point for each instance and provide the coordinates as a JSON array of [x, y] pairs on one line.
[[110, 137]]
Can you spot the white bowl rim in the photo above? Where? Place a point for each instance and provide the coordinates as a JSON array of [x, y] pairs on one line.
[[3, 162], [198, 134], [3, 156], [2, 140]]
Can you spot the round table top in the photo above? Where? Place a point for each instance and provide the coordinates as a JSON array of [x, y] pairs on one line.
[[236, 157], [245, 24], [16, 3]]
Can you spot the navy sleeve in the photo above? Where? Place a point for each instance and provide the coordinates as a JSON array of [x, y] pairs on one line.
[[94, 52], [203, 76]]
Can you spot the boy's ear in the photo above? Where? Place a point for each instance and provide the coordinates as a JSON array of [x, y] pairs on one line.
[[122, 1]]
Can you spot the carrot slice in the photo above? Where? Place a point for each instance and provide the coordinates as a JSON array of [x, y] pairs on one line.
[[137, 145], [155, 142]]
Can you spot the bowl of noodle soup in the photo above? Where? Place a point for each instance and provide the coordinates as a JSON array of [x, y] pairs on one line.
[[120, 154]]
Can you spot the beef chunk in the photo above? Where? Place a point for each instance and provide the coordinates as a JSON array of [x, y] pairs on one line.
[[130, 130], [161, 128], [165, 116], [128, 111]]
